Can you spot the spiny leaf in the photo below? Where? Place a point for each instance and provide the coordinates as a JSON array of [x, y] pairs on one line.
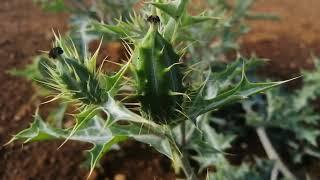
[[244, 89], [105, 28], [282, 112], [161, 144], [111, 84], [205, 141], [140, 129], [29, 72], [134, 28], [175, 8], [188, 20], [310, 90], [244, 171], [117, 112], [309, 134], [121, 132], [91, 130], [142, 134], [40, 131], [78, 81], [156, 69], [91, 63], [94, 133], [97, 152], [82, 119]]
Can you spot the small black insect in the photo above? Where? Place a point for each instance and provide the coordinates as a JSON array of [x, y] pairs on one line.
[[153, 19], [55, 52]]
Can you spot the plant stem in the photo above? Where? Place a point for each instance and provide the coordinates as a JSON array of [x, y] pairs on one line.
[[272, 153], [183, 134], [181, 160], [186, 167], [274, 173]]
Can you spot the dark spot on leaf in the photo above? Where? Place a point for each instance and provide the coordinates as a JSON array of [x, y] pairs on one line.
[[153, 19], [55, 52]]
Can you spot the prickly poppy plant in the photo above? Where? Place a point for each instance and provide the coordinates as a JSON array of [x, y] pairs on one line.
[[158, 96]]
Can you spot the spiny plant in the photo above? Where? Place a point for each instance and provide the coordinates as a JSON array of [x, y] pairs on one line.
[[157, 97], [82, 12], [285, 122], [283, 114]]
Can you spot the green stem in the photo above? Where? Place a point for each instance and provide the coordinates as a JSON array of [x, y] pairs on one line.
[[181, 160], [183, 134], [186, 167], [174, 34]]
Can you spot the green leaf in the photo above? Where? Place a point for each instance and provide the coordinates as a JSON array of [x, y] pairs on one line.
[[205, 141], [89, 128], [309, 134], [227, 72], [282, 112], [311, 86], [97, 152], [117, 112], [244, 89], [117, 29], [188, 20], [161, 144], [175, 9], [134, 28], [140, 129], [82, 119], [29, 72], [142, 134], [244, 171], [158, 141], [73, 80], [39, 131], [179, 17], [102, 138], [169, 29], [168, 8], [111, 84]]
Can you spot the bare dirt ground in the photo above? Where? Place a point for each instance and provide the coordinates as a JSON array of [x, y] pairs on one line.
[[289, 42], [24, 29]]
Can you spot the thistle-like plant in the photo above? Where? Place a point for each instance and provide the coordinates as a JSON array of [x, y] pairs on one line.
[[157, 97]]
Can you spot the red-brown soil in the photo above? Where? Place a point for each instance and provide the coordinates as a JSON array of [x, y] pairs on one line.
[[289, 42], [25, 29]]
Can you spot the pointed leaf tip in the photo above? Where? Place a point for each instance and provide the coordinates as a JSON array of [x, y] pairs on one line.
[[243, 90]]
